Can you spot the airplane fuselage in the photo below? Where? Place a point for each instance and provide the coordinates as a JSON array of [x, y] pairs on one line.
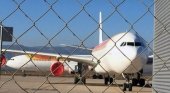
[[37, 63]]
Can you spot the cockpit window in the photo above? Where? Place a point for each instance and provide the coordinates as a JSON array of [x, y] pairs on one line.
[[138, 44], [123, 44], [130, 44]]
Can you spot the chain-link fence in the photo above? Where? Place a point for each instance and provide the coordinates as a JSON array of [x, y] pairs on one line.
[[41, 28]]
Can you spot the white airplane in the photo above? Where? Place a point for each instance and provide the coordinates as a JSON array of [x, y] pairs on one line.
[[123, 53]]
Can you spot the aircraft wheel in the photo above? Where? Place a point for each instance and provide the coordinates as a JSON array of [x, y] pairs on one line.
[[100, 77], [111, 80], [130, 86], [24, 74], [83, 79], [76, 80], [134, 82], [106, 80], [142, 82], [94, 76], [124, 86]]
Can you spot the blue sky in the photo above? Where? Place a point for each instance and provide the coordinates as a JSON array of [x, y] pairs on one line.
[[82, 25]]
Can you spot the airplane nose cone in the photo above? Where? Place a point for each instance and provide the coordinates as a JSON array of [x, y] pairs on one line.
[[16, 62], [11, 63]]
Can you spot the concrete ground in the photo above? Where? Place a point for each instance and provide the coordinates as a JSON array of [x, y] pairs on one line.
[[39, 84]]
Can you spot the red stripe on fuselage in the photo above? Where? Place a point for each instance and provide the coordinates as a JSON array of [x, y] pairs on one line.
[[101, 46]]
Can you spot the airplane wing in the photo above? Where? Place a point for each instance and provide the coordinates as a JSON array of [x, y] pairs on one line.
[[87, 59], [64, 45]]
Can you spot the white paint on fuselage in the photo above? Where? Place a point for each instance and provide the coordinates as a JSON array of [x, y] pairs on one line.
[[115, 58], [23, 62]]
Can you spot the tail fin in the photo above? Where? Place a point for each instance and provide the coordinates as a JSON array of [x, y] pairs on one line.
[[100, 28]]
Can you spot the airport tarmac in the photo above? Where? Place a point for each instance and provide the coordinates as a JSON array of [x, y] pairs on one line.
[[39, 84]]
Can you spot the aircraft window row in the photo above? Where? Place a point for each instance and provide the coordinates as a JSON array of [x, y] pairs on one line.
[[131, 44]]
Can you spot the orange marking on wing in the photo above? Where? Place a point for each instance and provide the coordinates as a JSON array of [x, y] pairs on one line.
[[42, 57]]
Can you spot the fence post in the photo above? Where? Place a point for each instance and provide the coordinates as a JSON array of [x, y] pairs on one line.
[[1, 33]]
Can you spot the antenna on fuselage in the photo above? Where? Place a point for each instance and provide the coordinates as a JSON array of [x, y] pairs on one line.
[[100, 28]]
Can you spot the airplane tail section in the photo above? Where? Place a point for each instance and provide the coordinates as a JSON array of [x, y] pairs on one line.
[[100, 28]]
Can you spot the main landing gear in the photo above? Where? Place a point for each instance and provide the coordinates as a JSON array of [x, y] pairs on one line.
[[24, 73], [79, 78], [97, 76], [138, 80], [108, 80]]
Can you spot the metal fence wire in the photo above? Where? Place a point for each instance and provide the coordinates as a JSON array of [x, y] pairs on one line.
[[42, 25]]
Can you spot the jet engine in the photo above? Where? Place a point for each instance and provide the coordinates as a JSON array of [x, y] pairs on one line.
[[57, 69], [3, 60]]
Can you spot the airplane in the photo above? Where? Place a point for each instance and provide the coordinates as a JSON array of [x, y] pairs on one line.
[[125, 53]]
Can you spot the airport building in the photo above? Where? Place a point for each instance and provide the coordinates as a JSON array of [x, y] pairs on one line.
[[161, 64]]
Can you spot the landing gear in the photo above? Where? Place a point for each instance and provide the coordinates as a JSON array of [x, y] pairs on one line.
[[79, 78], [142, 82], [94, 76], [108, 80], [135, 81], [100, 77], [24, 73], [97, 76], [127, 85], [138, 80]]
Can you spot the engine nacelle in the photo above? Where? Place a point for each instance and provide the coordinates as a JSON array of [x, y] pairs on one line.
[[57, 69], [3, 60]]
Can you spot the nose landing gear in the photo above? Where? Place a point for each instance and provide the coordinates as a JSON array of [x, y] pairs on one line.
[[127, 84], [135, 81]]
